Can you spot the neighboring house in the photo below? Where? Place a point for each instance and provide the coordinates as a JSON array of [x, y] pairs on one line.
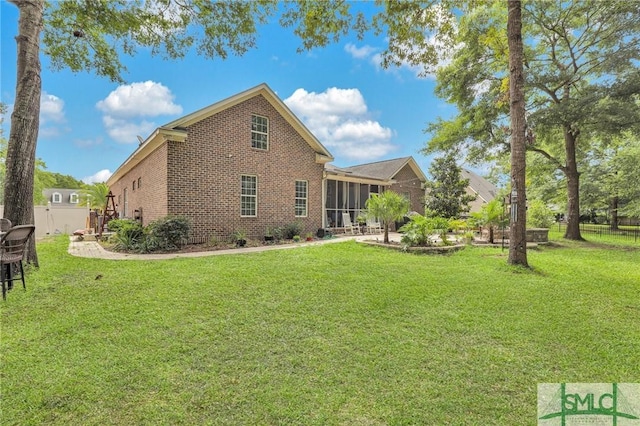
[[248, 163], [62, 197], [484, 190], [62, 213]]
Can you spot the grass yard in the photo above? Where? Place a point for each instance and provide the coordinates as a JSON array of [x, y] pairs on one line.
[[340, 334]]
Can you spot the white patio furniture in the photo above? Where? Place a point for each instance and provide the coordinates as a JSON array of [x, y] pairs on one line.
[[348, 225]]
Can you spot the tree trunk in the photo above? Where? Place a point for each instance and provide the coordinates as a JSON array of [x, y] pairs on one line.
[[614, 213], [25, 120], [518, 225], [573, 185]]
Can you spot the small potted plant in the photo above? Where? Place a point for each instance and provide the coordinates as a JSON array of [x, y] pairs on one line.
[[240, 237], [309, 236], [268, 235]]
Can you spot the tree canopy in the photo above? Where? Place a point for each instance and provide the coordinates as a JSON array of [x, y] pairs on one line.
[[92, 36], [582, 81], [446, 191], [388, 207]]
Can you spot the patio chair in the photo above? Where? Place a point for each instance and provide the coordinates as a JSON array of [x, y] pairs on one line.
[[348, 225], [373, 226], [12, 249], [5, 225]]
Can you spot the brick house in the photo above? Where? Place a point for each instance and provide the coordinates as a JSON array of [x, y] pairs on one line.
[[248, 163], [244, 163], [348, 188]]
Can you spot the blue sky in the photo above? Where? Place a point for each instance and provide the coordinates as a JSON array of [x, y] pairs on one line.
[[359, 111]]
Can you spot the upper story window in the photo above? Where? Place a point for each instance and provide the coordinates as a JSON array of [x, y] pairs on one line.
[[249, 195], [139, 182], [259, 132], [56, 197], [301, 198], [73, 198]]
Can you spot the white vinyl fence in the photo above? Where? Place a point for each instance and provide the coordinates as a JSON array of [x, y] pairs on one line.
[[52, 220]]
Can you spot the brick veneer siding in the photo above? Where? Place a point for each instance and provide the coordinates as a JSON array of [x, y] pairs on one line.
[[151, 195], [203, 177], [408, 182]]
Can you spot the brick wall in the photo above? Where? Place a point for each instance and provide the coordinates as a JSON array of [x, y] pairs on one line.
[[150, 193], [204, 173], [200, 177], [408, 182]]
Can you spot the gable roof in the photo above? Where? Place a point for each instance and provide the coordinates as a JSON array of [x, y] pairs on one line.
[[65, 194], [485, 189], [176, 130], [386, 169]]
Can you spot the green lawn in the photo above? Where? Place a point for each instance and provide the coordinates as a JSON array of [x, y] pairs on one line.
[[340, 334]]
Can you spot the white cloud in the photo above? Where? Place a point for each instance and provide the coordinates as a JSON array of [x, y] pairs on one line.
[[481, 88], [125, 131], [362, 130], [51, 109], [363, 52], [339, 118], [52, 116], [51, 120], [332, 101], [124, 107], [148, 99], [98, 177]]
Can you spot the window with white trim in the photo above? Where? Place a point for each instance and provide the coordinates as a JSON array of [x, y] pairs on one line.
[[301, 198], [249, 195], [56, 198], [73, 198], [259, 132]]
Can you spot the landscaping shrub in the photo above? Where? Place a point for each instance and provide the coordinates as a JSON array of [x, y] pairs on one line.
[[291, 229], [278, 233], [418, 231], [128, 236], [114, 225], [168, 233], [457, 225]]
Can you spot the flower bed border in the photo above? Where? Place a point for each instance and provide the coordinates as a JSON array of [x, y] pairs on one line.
[[419, 250]]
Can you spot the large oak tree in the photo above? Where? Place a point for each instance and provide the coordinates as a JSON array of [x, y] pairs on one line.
[[582, 79]]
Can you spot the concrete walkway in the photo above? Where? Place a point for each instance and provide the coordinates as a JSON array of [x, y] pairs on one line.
[[93, 249]]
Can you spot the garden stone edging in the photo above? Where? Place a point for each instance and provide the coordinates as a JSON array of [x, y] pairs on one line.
[[421, 250]]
